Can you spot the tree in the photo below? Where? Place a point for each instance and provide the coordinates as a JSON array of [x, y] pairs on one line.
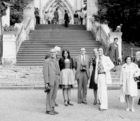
[[116, 12], [16, 11]]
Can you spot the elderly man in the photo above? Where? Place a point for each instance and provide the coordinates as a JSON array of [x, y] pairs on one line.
[[51, 73], [82, 75], [103, 77]]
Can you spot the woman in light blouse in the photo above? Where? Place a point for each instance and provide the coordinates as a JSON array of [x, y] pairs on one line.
[[129, 86]]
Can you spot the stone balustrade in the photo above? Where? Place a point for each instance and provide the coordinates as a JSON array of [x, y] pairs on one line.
[[104, 35], [13, 40]]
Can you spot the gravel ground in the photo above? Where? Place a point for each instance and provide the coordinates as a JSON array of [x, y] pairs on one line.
[[29, 105]]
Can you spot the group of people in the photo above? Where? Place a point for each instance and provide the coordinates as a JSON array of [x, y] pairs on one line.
[[63, 71], [79, 17], [54, 19]]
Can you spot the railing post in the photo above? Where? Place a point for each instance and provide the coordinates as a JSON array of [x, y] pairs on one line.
[[132, 52], [9, 49]]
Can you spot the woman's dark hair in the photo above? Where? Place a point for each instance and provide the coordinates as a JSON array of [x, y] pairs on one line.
[[63, 52], [127, 58]]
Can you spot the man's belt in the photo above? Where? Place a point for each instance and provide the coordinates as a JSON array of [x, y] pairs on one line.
[[102, 73], [58, 74]]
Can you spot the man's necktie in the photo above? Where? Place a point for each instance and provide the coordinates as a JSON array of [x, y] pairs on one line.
[[82, 59], [99, 65]]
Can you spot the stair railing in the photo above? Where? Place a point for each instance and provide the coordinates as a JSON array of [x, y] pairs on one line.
[[101, 33], [22, 34], [12, 41]]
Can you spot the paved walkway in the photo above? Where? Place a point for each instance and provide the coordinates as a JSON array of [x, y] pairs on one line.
[[29, 105]]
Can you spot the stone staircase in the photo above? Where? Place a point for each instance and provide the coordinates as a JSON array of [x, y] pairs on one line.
[[27, 73], [33, 51]]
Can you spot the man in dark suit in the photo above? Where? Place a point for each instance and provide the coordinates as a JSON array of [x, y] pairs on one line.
[[113, 52], [82, 75], [51, 73]]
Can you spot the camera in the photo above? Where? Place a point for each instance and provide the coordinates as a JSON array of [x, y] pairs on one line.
[[47, 89]]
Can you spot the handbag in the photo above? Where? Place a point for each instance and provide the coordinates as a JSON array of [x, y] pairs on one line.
[[122, 96], [137, 79], [47, 89]]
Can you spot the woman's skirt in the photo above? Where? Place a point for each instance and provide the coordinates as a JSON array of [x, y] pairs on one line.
[[67, 78], [92, 84]]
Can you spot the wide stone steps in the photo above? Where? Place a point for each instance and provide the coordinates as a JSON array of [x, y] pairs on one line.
[[60, 27], [32, 76]]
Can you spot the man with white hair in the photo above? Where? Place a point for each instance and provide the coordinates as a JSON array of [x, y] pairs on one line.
[[51, 74], [58, 50], [82, 75]]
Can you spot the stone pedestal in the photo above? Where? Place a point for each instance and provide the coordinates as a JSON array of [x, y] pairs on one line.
[[9, 48]]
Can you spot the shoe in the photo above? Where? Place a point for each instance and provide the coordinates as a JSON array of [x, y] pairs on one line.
[[139, 102], [132, 110], [95, 102], [65, 103], [127, 109], [55, 112], [84, 102], [79, 102], [102, 109], [70, 103], [56, 104], [50, 112]]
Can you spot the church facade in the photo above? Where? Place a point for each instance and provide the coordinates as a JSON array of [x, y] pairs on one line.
[[70, 5]]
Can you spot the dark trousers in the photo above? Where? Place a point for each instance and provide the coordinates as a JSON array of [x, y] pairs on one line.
[[66, 23], [37, 20], [82, 86], [81, 19]]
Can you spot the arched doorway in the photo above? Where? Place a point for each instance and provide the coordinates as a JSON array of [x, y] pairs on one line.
[[62, 5]]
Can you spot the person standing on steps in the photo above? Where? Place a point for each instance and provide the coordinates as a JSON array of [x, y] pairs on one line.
[[113, 52], [37, 16], [92, 84], [67, 76], [82, 75], [56, 16], [66, 19], [51, 74], [76, 18], [81, 16]]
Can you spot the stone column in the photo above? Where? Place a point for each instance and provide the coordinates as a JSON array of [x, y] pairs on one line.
[[79, 4], [6, 18], [9, 48], [91, 9], [75, 4]]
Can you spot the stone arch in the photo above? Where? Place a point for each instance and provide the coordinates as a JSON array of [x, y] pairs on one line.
[[66, 6]]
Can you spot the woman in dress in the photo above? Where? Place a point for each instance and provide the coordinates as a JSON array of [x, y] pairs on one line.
[[93, 85], [128, 84], [67, 76]]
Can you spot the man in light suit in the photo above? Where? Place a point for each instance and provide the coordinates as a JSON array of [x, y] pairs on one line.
[[82, 75], [51, 73], [103, 77]]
